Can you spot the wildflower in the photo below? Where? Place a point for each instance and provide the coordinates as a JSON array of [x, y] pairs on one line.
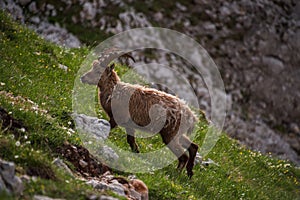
[[18, 143], [71, 130], [287, 165]]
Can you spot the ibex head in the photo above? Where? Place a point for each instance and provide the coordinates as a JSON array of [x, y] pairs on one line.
[[92, 77]]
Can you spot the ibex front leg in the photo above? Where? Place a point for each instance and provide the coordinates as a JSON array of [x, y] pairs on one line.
[[131, 140]]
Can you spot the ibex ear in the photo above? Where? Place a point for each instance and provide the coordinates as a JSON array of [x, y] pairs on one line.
[[96, 63], [111, 67]]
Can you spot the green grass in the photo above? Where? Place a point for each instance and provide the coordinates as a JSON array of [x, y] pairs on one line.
[[30, 69]]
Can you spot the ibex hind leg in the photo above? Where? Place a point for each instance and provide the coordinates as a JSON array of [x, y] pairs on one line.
[[192, 148], [178, 151], [131, 140]]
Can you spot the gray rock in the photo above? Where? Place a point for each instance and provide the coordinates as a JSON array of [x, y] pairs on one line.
[[198, 159], [209, 26], [24, 2], [102, 197], [117, 188], [295, 128], [92, 125], [93, 197], [101, 186], [158, 16], [114, 186], [25, 178], [32, 7], [3, 186], [225, 11], [60, 164], [273, 64], [49, 7], [261, 138], [98, 184], [89, 11], [181, 7], [50, 32], [209, 162], [41, 197], [14, 9], [135, 195], [107, 198], [56, 34], [35, 20], [109, 154], [82, 163], [63, 67], [8, 180]]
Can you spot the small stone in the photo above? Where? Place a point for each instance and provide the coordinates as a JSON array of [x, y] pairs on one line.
[[93, 197], [295, 128], [25, 178], [181, 7], [63, 67], [224, 11], [24, 2], [40, 197], [117, 188], [108, 153], [209, 26], [198, 159], [92, 182], [273, 64], [158, 16], [82, 163], [107, 198], [32, 7], [2, 186], [101, 186], [50, 7], [89, 11], [135, 194], [209, 162], [60, 164]]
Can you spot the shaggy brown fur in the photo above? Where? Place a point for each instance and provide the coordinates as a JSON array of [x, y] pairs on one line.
[[150, 110], [141, 188]]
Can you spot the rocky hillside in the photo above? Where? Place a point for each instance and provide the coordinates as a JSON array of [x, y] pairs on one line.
[[42, 157], [255, 44]]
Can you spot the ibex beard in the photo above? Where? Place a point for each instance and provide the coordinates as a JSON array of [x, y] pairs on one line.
[[147, 109]]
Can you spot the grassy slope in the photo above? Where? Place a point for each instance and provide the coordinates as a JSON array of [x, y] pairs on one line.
[[29, 68]]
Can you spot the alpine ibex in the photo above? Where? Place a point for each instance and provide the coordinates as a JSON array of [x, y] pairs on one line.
[[137, 107]]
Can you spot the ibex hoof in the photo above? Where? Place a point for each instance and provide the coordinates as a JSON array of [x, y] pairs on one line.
[[136, 150], [190, 174]]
